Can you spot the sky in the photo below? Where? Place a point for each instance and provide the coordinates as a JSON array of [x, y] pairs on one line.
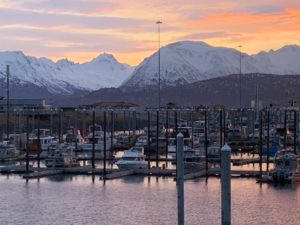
[[82, 29]]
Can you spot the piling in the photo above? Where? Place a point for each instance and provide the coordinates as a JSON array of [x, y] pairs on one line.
[[75, 129], [148, 139], [260, 142], [285, 128], [112, 129], [51, 122], [295, 131], [39, 139], [180, 179], [93, 150], [124, 121], [205, 141], [157, 137], [7, 102], [104, 145], [167, 135], [268, 140], [59, 125], [27, 141], [226, 185], [221, 133]]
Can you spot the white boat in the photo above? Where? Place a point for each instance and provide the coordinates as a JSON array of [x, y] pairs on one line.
[[142, 141], [73, 136], [286, 167], [189, 153], [87, 145], [133, 159], [61, 156], [8, 151], [46, 140]]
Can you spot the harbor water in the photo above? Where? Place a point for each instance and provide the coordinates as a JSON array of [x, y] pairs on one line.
[[139, 200]]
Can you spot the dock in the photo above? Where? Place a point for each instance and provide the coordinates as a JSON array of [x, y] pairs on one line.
[[43, 173]]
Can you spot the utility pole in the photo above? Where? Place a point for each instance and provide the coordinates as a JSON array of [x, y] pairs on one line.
[[7, 102]]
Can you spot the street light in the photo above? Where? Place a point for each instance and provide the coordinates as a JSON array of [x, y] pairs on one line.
[[158, 24]]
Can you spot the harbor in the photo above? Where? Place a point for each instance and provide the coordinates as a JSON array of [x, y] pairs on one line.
[[254, 137]]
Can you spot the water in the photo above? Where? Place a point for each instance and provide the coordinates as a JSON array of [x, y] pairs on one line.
[[136, 200]]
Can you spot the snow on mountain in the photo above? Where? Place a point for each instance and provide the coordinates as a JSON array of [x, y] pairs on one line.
[[64, 76], [283, 61], [188, 62]]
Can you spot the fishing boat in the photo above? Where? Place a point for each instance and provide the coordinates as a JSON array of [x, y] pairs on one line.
[[8, 151], [142, 141], [286, 167], [61, 155], [96, 137], [133, 158], [45, 139]]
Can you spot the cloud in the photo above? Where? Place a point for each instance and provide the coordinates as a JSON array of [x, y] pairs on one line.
[[79, 6], [206, 35]]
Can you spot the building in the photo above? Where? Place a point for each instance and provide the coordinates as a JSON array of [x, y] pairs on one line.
[[22, 104], [110, 105]]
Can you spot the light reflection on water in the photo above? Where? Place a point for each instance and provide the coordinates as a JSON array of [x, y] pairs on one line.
[[141, 201]]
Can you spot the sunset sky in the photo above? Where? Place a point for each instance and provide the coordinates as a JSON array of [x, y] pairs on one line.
[[82, 29]]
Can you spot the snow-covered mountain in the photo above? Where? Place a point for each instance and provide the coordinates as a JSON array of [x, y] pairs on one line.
[[64, 76], [188, 62]]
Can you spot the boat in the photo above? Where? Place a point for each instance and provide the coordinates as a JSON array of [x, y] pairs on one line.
[[286, 167], [87, 145], [73, 136], [190, 154], [142, 141], [8, 151], [133, 158], [45, 139], [61, 155]]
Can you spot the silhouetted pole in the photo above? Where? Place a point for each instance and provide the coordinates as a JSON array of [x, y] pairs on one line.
[[192, 121], [180, 178], [240, 77], [157, 137], [59, 125], [268, 140], [260, 142], [104, 146], [206, 141], [224, 126], [221, 133], [167, 135], [39, 139], [148, 139], [159, 23], [93, 150], [7, 102], [295, 131], [285, 128], [27, 142], [76, 128], [124, 121], [112, 129], [226, 185]]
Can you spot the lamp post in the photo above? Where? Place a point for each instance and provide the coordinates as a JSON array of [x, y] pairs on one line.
[[158, 24]]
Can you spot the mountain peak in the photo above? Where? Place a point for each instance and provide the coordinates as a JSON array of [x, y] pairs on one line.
[[105, 57], [64, 62], [289, 48]]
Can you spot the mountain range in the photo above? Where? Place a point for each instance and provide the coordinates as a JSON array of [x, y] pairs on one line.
[[188, 62], [182, 63], [63, 77]]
